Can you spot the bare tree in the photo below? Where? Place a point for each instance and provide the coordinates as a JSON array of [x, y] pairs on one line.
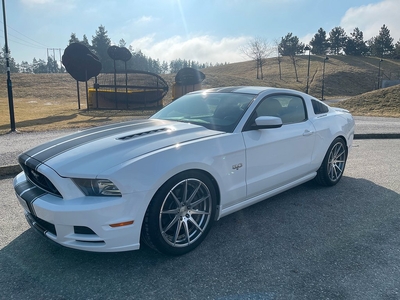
[[259, 50], [290, 46]]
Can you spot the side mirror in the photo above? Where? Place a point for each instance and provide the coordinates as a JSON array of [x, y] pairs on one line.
[[266, 122]]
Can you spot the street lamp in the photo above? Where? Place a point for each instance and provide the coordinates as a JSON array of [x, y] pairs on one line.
[[379, 73], [307, 48], [323, 77]]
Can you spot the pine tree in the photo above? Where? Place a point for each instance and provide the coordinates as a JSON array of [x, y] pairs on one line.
[[85, 42], [73, 39], [39, 66], [52, 66], [25, 67], [11, 61], [122, 43], [337, 39], [100, 43], [397, 50], [355, 44], [382, 45], [319, 43], [290, 45]]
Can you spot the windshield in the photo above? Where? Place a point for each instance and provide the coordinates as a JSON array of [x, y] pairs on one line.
[[217, 111]]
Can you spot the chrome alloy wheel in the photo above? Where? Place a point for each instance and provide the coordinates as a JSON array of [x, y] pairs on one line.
[[185, 212], [336, 161]]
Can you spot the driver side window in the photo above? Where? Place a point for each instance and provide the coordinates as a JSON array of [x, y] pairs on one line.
[[289, 108], [269, 107]]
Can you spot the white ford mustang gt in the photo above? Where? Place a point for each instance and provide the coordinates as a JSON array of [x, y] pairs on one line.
[[165, 180]]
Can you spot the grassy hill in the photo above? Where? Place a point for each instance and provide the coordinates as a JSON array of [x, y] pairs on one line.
[[49, 101]]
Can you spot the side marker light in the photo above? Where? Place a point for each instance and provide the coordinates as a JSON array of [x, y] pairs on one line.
[[122, 224]]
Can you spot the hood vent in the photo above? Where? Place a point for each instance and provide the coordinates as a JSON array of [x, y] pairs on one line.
[[128, 137]]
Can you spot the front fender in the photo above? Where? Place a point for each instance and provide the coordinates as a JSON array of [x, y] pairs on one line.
[[215, 155]]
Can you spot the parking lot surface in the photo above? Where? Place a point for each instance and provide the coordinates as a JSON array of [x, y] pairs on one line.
[[310, 242]]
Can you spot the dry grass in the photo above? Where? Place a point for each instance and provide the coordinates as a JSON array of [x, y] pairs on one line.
[[381, 103], [49, 101]]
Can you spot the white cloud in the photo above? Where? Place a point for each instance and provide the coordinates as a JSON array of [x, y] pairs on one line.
[[307, 38], [370, 18], [35, 2], [202, 48], [49, 6], [144, 20]]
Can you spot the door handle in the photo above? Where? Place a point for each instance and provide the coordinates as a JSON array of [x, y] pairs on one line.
[[308, 132]]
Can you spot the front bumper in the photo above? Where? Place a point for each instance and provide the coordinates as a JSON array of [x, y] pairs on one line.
[[83, 222]]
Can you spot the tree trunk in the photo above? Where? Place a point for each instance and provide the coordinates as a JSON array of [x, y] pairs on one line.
[[295, 68]]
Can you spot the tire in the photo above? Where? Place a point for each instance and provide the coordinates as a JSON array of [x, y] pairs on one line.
[[180, 214], [333, 165]]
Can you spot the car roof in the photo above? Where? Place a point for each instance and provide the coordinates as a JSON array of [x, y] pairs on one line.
[[255, 90]]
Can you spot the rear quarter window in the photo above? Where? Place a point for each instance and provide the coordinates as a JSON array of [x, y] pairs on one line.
[[319, 107]]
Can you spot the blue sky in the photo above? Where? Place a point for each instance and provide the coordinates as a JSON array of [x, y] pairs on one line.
[[200, 30]]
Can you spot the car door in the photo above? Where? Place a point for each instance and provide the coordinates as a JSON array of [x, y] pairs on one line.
[[278, 156]]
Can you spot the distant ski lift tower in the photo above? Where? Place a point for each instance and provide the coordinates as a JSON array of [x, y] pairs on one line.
[[54, 54]]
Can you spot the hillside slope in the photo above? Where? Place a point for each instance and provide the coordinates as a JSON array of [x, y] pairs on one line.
[[344, 76], [379, 103], [49, 101]]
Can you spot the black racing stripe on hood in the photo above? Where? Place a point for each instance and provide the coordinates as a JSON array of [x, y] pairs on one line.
[[51, 149], [26, 160]]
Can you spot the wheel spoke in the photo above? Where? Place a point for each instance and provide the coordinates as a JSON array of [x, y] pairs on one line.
[[341, 153], [189, 201], [198, 212], [195, 224], [340, 171], [171, 211], [334, 173], [176, 219], [194, 204], [185, 191], [175, 198], [178, 229], [186, 227]]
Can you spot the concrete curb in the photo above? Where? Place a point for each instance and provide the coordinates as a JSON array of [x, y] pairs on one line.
[[13, 170], [366, 136], [10, 170]]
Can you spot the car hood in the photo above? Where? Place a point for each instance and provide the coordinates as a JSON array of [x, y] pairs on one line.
[[90, 152]]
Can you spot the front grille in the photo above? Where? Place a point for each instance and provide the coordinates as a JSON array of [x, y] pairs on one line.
[[40, 180]]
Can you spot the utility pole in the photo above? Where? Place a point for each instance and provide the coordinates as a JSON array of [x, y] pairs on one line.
[[54, 55], [9, 83]]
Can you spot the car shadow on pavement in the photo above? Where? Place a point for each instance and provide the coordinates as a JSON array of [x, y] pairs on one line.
[[41, 121], [310, 242]]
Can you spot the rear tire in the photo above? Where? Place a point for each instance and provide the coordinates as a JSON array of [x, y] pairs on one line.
[[333, 165], [180, 214]]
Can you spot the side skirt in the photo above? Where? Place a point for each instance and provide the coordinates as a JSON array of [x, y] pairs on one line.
[[267, 195]]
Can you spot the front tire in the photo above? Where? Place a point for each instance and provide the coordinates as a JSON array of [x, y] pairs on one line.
[[333, 165], [180, 214]]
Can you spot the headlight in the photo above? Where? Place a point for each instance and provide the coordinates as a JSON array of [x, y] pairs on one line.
[[97, 187]]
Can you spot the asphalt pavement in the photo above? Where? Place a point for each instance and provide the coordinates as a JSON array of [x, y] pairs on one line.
[[14, 143], [309, 242]]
